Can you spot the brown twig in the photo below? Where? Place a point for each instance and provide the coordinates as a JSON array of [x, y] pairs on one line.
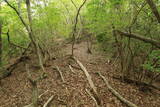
[[48, 101], [60, 73]]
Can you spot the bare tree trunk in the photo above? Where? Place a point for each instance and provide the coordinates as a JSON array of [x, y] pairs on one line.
[[154, 9], [75, 26], [0, 40], [0, 44], [32, 36]]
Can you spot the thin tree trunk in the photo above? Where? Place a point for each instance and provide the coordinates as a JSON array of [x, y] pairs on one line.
[[32, 36], [75, 26], [154, 9], [0, 41]]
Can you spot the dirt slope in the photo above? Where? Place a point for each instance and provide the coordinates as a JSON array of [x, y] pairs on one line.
[[16, 90]]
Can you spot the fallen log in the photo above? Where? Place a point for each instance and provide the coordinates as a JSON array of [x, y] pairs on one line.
[[136, 82], [89, 80], [115, 93], [139, 37]]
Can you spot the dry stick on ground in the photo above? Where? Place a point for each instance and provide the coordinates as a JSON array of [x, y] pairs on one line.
[[114, 92], [48, 101], [42, 94], [60, 73], [70, 67], [75, 26], [92, 97], [89, 80]]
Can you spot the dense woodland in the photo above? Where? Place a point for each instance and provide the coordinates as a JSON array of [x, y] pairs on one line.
[[79, 53]]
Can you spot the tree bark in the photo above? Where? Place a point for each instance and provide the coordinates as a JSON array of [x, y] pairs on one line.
[[139, 37], [32, 36], [154, 9], [1, 44], [75, 26], [0, 40]]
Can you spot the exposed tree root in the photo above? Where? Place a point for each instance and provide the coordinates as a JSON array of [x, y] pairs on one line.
[[114, 92], [89, 80]]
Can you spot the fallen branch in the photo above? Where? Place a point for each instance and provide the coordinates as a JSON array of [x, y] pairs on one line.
[[115, 93], [48, 101], [70, 67], [92, 97], [75, 67], [89, 80], [60, 73], [142, 38], [136, 82], [43, 94]]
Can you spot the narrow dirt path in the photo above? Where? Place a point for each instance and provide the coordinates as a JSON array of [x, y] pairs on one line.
[[17, 91]]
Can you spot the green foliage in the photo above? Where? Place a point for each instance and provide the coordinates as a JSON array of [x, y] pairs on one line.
[[153, 62], [56, 19]]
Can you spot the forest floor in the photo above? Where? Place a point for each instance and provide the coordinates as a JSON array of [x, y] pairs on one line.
[[16, 90]]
